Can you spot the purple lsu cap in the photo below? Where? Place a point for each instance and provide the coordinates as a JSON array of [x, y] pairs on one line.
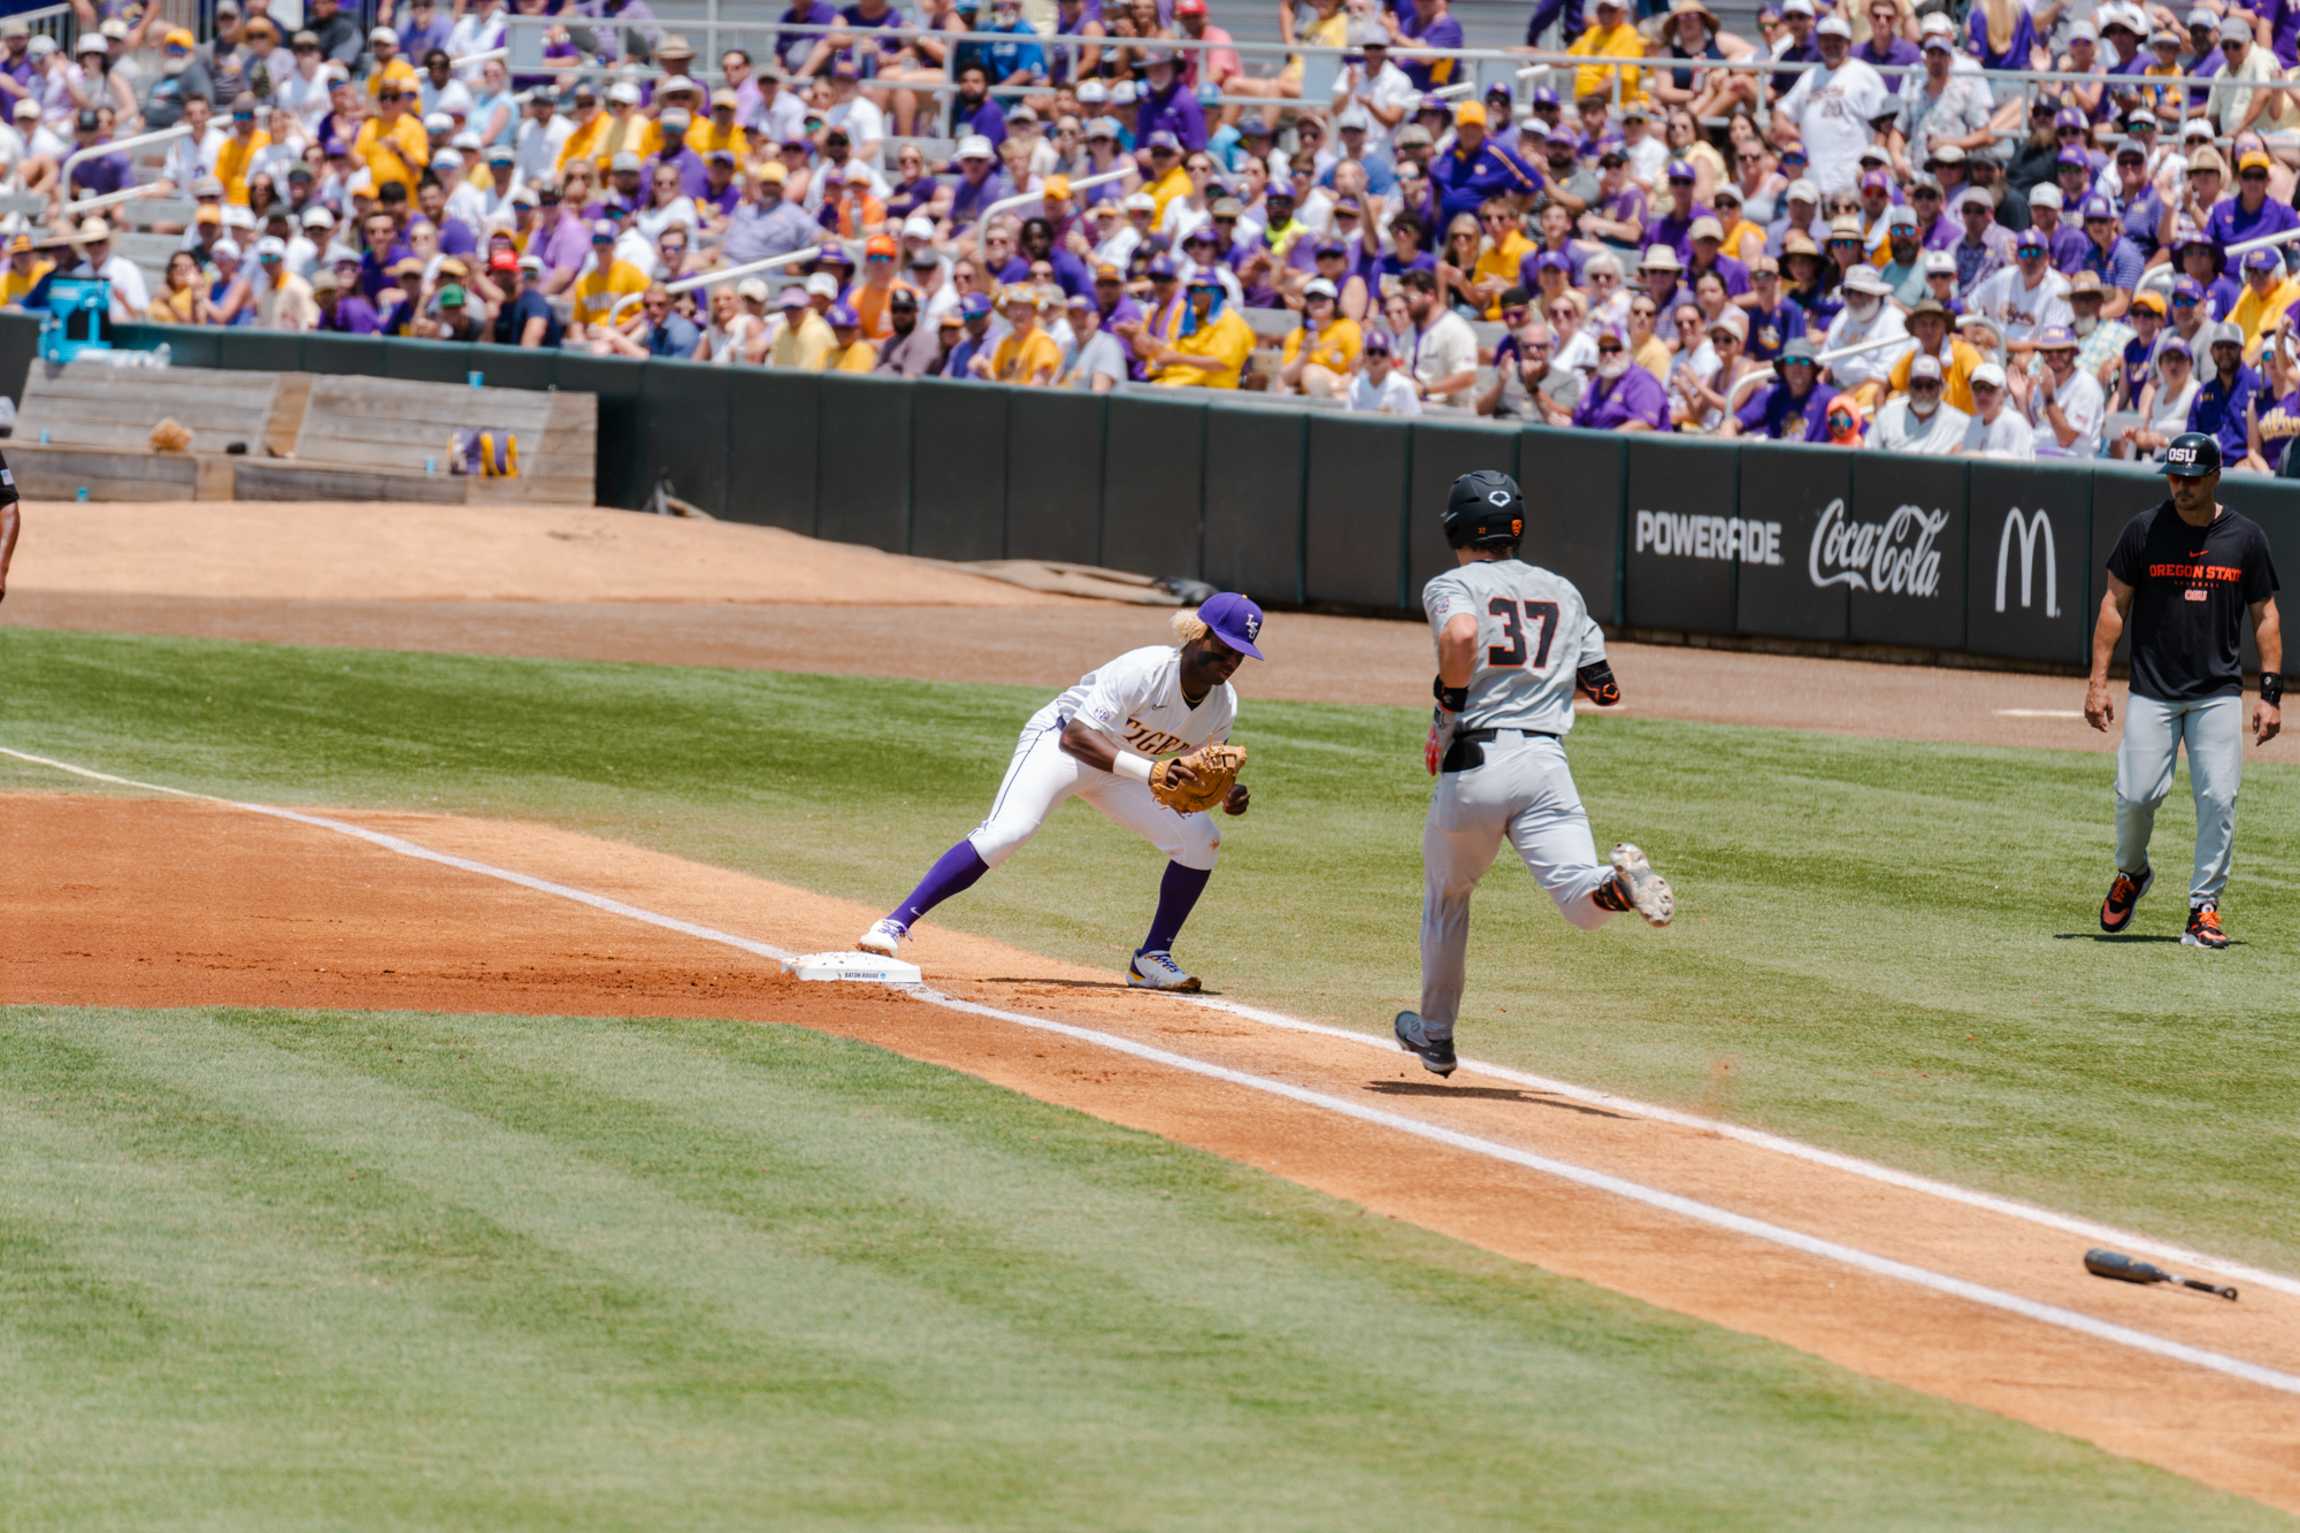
[[842, 316], [1679, 170], [2073, 159], [2096, 206], [1235, 620], [974, 305], [2263, 260], [1552, 260], [1544, 96], [2187, 290]]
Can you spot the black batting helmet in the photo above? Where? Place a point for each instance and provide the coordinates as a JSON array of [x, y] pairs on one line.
[[1484, 509], [2192, 455]]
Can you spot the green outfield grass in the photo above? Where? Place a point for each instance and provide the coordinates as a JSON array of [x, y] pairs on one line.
[[1888, 948], [384, 1269]]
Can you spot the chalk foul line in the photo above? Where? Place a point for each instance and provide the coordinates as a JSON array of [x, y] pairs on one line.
[[1652, 1197]]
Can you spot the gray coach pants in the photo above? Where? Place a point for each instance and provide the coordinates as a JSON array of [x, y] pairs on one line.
[[2214, 730], [1524, 792]]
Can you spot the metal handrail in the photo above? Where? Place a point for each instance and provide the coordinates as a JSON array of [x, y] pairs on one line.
[[714, 278], [1823, 359], [108, 199], [115, 146], [1019, 199]]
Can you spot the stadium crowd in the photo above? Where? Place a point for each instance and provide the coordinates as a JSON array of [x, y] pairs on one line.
[[1936, 259]]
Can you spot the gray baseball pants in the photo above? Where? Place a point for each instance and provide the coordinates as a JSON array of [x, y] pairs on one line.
[[2153, 732], [1524, 792]]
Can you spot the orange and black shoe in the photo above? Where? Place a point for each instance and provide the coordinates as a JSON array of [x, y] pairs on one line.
[[2123, 895], [2204, 927]]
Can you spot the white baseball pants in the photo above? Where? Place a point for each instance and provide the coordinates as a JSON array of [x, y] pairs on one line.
[[1042, 774]]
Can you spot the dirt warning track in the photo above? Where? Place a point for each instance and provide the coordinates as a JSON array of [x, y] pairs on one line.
[[147, 902]]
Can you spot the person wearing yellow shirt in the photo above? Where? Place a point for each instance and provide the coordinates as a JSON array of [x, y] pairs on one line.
[[606, 281], [628, 130], [1500, 256], [1028, 357], [2268, 292], [1214, 345], [720, 131], [25, 271], [392, 144], [849, 352], [236, 155], [1168, 180], [1323, 351], [805, 343], [590, 124], [1610, 36], [393, 71], [1929, 327]]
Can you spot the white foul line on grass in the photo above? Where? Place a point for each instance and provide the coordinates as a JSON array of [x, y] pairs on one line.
[[1637, 1192]]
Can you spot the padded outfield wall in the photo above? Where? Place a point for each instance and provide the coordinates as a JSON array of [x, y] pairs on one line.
[[1665, 535]]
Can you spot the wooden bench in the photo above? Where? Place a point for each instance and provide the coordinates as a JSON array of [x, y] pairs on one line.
[[388, 426], [88, 403]]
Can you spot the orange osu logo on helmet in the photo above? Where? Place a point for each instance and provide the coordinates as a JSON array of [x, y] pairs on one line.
[[1516, 526]]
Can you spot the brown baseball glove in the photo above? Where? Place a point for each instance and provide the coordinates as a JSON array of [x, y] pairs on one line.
[[1198, 781]]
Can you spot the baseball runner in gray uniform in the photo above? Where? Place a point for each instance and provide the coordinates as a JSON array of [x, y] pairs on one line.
[[2182, 580], [1515, 643]]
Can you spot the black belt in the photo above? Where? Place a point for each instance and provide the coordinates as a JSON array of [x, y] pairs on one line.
[[1468, 747]]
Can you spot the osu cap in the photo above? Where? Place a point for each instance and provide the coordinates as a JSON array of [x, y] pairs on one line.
[[1235, 620]]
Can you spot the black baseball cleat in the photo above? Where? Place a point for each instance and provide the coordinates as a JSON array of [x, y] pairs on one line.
[[2124, 894], [2204, 927], [1436, 1054]]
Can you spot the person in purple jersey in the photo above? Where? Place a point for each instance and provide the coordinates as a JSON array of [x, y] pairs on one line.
[[1886, 46], [1097, 741], [2250, 214], [2001, 35], [1166, 105], [796, 49], [1429, 24], [1622, 396]]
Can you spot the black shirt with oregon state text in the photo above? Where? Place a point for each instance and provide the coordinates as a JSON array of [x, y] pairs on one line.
[[2191, 588]]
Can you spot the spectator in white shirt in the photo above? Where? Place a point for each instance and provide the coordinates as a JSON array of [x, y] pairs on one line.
[[1866, 317], [1383, 90], [542, 130], [2025, 297], [1830, 110], [2064, 404], [1441, 349], [1920, 422], [1381, 386], [130, 297], [1996, 430]]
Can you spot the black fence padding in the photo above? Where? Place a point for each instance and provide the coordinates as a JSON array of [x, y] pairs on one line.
[[624, 474], [772, 421], [1257, 487], [862, 461], [430, 361], [958, 470], [356, 355], [19, 344], [1054, 476], [188, 345], [1901, 555], [1568, 478], [684, 406], [263, 351], [1684, 535], [1794, 491], [1354, 554], [1153, 482], [2028, 570], [513, 367], [1442, 454]]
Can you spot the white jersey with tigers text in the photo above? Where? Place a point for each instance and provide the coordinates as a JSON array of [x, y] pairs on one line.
[[1137, 700]]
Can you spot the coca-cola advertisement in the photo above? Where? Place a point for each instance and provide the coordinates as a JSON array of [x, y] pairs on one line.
[[1898, 549]]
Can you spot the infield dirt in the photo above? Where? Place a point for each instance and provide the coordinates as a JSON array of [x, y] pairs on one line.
[[143, 902]]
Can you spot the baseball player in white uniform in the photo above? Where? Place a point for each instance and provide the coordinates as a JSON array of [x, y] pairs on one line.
[[1097, 741], [1514, 642]]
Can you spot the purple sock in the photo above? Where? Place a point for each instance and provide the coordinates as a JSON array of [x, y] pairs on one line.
[[1178, 892], [954, 872]]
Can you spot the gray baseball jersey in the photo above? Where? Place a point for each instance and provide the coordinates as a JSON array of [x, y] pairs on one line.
[[1534, 632]]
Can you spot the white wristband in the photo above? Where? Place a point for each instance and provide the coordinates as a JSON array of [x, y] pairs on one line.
[[1132, 764]]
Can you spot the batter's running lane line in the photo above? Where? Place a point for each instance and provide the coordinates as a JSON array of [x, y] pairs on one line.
[[1652, 1197]]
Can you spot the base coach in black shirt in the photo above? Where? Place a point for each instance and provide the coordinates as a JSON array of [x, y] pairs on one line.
[[2184, 575]]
